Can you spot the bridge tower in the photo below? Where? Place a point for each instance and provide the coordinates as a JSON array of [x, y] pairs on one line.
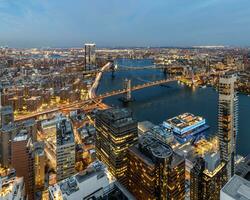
[[127, 86], [113, 68], [192, 75]]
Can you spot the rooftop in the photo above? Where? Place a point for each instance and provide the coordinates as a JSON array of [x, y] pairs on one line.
[[6, 110], [117, 116], [93, 179], [21, 136], [154, 147], [243, 168], [12, 187], [64, 133], [184, 120], [237, 188]]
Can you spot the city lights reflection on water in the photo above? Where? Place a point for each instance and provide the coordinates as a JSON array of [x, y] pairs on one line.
[[158, 103]]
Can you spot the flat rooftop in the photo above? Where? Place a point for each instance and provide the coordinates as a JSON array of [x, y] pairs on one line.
[[184, 120], [145, 126], [64, 132], [21, 136], [237, 188], [6, 110], [154, 146], [243, 168], [86, 183], [117, 116]]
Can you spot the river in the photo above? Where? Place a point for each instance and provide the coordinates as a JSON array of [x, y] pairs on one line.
[[158, 103]]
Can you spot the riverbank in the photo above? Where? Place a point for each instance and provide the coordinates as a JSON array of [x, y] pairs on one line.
[[157, 104]]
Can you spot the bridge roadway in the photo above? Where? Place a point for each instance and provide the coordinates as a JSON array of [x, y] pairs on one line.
[[136, 87], [95, 71], [91, 103]]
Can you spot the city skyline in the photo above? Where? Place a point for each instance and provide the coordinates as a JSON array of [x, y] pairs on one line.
[[29, 23], [124, 100]]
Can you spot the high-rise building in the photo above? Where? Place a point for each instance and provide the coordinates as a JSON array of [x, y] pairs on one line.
[[22, 161], [227, 121], [116, 132], [89, 55], [39, 165], [7, 133], [207, 177], [155, 171], [65, 150]]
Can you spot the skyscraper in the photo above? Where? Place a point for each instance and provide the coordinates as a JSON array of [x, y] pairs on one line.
[[207, 177], [22, 161], [89, 55], [116, 132], [155, 171], [65, 150], [228, 121]]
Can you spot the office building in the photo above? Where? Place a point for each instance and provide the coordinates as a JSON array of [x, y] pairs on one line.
[[89, 55], [39, 165], [12, 187], [22, 161], [207, 177], [237, 188], [155, 171], [227, 121], [116, 132], [65, 150]]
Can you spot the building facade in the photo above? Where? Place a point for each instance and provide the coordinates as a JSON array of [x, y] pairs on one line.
[[39, 165], [206, 182], [227, 121], [116, 132], [65, 150], [155, 171]]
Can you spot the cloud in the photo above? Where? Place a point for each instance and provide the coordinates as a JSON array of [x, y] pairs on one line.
[[119, 22]]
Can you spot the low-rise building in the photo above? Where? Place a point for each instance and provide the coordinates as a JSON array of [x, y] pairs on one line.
[[93, 183], [237, 188], [12, 187]]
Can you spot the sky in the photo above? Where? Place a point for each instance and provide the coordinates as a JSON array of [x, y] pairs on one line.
[[117, 23]]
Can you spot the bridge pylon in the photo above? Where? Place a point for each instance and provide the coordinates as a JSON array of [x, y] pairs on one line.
[[112, 70]]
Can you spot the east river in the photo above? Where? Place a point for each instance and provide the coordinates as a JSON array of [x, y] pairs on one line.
[[159, 103]]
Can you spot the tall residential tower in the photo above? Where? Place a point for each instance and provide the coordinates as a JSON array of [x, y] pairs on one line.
[[228, 121], [89, 55]]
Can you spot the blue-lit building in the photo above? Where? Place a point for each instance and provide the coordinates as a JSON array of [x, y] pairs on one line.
[[185, 126]]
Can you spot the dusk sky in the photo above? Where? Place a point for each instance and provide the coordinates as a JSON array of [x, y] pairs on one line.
[[70, 23]]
